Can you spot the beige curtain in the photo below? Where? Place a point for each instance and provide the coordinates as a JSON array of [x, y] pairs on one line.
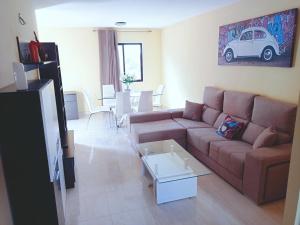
[[109, 58]]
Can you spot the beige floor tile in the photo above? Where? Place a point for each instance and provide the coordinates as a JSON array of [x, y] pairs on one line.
[[96, 221], [85, 206], [135, 217]]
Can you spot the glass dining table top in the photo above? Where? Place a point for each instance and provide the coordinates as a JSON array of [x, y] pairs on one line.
[[168, 161], [133, 94]]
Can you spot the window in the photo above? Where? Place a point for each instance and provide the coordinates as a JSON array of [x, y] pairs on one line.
[[131, 60], [258, 34], [247, 36]]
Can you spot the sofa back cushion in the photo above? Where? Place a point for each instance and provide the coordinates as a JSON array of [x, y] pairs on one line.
[[210, 115], [176, 113], [238, 104], [283, 138], [252, 132], [271, 113], [213, 98]]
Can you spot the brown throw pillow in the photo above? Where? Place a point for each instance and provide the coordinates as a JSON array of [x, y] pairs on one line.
[[266, 139], [193, 111]]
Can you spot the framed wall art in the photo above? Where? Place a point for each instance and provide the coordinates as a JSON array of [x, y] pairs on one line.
[[263, 41]]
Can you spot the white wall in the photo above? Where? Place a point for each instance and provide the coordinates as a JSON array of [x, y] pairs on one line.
[[151, 56], [190, 59], [297, 221], [10, 28], [79, 60], [79, 56]]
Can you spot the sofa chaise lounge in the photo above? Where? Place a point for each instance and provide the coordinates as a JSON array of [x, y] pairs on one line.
[[260, 174]]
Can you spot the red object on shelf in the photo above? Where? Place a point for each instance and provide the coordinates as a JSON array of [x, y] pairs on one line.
[[34, 51], [42, 54]]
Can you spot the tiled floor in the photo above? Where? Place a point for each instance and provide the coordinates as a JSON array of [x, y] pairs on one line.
[[110, 189]]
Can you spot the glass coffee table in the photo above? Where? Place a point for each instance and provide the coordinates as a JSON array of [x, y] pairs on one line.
[[172, 170]]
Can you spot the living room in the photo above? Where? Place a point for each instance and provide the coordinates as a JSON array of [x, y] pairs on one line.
[[115, 182]]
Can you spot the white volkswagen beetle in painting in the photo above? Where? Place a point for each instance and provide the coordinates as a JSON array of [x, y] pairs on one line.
[[253, 42]]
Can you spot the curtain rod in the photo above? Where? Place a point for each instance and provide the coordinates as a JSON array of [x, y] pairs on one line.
[[133, 31]]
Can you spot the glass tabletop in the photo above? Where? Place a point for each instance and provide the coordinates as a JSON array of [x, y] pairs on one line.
[[168, 161], [133, 94]]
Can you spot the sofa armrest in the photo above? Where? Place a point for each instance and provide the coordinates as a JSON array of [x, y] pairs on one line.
[[176, 113], [266, 173], [142, 117]]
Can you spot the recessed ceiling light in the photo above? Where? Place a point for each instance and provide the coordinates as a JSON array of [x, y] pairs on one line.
[[120, 23]]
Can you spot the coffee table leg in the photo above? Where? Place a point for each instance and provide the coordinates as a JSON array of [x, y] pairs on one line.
[[147, 175]]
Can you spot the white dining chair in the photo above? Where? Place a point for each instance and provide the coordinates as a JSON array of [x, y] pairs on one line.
[[134, 99], [108, 95], [158, 93], [145, 102], [92, 110], [123, 107]]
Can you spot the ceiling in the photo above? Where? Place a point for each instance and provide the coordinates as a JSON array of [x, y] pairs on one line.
[[137, 13]]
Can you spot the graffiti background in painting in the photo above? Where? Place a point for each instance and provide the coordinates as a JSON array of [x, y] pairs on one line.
[[282, 26]]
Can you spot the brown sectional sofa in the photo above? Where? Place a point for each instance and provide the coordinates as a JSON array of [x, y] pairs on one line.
[[260, 174]]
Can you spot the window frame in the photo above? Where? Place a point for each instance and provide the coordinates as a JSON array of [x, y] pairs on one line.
[[141, 58]]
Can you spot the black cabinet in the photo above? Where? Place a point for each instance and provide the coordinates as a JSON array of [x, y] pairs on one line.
[[69, 161], [50, 69], [32, 155]]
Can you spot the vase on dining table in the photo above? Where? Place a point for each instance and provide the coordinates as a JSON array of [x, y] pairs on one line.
[[127, 80], [127, 88]]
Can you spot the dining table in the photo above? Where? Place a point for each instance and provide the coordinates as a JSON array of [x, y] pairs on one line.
[[133, 94]]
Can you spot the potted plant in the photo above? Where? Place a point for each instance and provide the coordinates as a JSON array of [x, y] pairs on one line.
[[128, 79]]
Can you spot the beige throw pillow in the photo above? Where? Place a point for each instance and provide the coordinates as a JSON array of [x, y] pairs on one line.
[[267, 138], [193, 111]]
